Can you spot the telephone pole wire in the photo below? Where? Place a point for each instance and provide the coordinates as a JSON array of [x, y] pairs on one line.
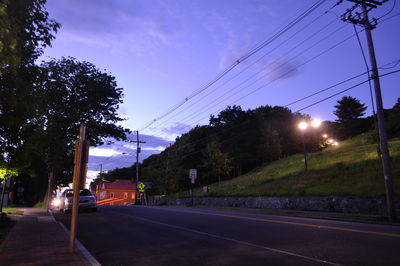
[[362, 19]]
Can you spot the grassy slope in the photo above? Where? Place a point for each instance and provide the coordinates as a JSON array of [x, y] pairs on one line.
[[353, 168]]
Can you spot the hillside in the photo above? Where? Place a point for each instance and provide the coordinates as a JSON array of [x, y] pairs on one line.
[[351, 169]]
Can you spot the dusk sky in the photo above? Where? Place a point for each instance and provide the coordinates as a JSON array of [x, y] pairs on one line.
[[164, 51]]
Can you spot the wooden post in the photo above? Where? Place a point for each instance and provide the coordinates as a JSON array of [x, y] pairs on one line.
[[78, 164]]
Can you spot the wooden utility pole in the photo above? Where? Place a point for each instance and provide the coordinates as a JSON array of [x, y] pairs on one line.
[[137, 163], [362, 19], [78, 183]]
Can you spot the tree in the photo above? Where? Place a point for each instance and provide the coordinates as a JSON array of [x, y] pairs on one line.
[[5, 173], [393, 122], [349, 111], [25, 30], [71, 93]]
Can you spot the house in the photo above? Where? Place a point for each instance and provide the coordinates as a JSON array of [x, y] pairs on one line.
[[123, 191]]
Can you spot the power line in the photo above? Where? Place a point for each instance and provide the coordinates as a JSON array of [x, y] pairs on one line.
[[306, 107], [286, 73], [241, 59], [259, 59]]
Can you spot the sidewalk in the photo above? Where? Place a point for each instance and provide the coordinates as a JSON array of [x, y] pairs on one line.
[[37, 239]]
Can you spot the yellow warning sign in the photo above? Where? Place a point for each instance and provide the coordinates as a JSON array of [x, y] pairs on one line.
[[141, 187]]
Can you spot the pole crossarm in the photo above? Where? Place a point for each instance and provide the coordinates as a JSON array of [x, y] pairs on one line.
[[361, 17]]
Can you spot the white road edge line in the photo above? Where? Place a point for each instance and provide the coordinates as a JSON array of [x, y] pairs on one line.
[[233, 240], [92, 260]]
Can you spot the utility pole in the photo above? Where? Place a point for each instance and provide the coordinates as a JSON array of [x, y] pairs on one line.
[[167, 170], [137, 162], [362, 19], [79, 178], [101, 168]]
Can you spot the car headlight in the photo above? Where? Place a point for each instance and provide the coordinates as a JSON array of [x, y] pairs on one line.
[[56, 202]]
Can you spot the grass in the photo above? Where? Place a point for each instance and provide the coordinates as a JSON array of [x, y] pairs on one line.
[[40, 205], [12, 210], [351, 169]]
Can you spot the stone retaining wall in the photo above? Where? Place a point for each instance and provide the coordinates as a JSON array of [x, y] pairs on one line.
[[355, 205]]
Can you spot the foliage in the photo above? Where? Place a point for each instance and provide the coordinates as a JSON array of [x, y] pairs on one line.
[[40, 205], [234, 142], [25, 30], [127, 173], [393, 120], [73, 93], [6, 172], [352, 169], [349, 111]]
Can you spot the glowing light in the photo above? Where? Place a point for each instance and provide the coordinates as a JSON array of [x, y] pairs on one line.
[[56, 202], [303, 125], [336, 143], [316, 123], [325, 136]]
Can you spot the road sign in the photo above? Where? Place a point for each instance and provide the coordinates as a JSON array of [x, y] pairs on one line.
[[141, 187], [193, 175]]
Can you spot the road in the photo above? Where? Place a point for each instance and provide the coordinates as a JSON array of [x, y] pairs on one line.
[[140, 235]]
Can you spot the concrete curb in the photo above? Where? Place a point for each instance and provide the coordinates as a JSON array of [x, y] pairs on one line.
[[92, 260]]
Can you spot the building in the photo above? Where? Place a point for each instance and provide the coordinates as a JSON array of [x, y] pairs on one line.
[[123, 191]]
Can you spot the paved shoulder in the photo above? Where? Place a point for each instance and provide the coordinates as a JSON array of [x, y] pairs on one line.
[[37, 239]]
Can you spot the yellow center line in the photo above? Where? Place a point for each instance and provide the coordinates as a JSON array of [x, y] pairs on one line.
[[286, 222]]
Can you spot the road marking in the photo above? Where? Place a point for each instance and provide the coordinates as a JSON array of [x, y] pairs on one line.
[[230, 239], [285, 222]]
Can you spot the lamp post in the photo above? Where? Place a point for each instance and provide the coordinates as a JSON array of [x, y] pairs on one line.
[[303, 125]]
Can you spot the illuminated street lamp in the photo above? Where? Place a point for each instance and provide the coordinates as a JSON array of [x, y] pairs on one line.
[[315, 123], [325, 136], [336, 143]]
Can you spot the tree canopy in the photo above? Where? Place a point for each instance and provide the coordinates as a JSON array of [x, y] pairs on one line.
[[349, 111]]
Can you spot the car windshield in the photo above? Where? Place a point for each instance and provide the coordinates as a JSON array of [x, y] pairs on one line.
[[82, 192]]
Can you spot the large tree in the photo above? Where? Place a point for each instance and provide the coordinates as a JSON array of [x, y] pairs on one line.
[[25, 30], [73, 93], [349, 111]]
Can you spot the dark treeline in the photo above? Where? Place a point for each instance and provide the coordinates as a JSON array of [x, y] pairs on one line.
[[237, 141], [233, 143]]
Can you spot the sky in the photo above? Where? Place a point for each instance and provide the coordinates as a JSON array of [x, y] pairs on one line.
[[164, 53]]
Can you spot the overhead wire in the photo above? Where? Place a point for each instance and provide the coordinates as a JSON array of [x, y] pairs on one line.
[[256, 61], [297, 111], [287, 72], [395, 64], [238, 61]]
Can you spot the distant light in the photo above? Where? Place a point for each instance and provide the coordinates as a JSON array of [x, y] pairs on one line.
[[330, 141], [336, 143], [303, 125], [316, 123], [325, 136]]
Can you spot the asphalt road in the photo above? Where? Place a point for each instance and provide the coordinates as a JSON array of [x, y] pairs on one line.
[[139, 235]]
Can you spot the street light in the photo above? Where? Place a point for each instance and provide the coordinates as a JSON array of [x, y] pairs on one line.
[[303, 125]]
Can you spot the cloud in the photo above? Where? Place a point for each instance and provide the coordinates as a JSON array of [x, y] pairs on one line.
[[177, 129], [281, 69], [115, 24], [121, 154], [103, 152]]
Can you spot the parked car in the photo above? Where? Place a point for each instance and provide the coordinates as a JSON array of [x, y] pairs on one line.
[[86, 201]]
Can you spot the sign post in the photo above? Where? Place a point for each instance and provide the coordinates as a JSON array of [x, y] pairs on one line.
[[192, 177], [80, 167]]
